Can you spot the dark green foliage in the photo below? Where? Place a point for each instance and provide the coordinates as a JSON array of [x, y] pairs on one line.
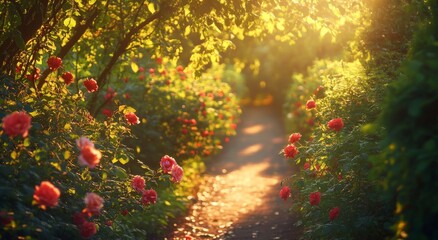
[[410, 118]]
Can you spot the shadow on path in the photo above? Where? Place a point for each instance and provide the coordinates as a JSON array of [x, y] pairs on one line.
[[240, 197]]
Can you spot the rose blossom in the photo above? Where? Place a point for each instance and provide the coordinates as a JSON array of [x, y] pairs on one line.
[[285, 192], [315, 198], [167, 163], [46, 195], [138, 183], [54, 62], [306, 166], [89, 157], [93, 203], [16, 124], [336, 124], [290, 151], [107, 112], [68, 77], [334, 212], [294, 137], [83, 142], [149, 197], [132, 118], [177, 173], [91, 85], [79, 218], [310, 104], [88, 229]]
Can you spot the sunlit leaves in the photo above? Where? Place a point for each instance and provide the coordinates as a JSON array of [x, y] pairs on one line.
[[70, 22]]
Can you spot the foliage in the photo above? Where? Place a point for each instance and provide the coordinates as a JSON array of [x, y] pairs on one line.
[[409, 118], [336, 164]]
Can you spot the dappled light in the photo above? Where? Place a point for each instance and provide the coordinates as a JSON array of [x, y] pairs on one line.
[[253, 149], [253, 129], [215, 119]]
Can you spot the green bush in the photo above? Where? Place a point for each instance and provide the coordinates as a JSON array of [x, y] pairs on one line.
[[410, 120]]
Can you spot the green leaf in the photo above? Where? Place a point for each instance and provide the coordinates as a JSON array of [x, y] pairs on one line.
[[151, 7], [70, 22], [134, 67], [26, 142], [18, 39], [67, 154]]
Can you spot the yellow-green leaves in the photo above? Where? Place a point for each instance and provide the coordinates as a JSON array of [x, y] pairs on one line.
[[70, 22], [151, 7], [134, 67]]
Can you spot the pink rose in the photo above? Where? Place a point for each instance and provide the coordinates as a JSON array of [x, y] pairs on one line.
[[149, 197], [17, 124], [83, 142], [138, 183], [93, 203], [167, 163], [177, 173]]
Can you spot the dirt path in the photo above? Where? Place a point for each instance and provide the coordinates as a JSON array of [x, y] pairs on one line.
[[240, 199]]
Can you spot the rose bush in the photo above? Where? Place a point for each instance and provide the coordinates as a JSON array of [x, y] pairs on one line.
[[336, 191], [55, 152]]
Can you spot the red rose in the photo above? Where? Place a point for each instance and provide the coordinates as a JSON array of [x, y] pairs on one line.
[[46, 195], [177, 173], [91, 85], [5, 218], [141, 69], [79, 218], [88, 229], [294, 137], [315, 198], [285, 193], [290, 151], [68, 77], [334, 212], [107, 112], [151, 71], [35, 75], [17, 124], [336, 124], [138, 183], [159, 60], [54, 62], [306, 166], [110, 94], [180, 69], [167, 163], [89, 157], [149, 197], [132, 118], [125, 212], [310, 104], [93, 203]]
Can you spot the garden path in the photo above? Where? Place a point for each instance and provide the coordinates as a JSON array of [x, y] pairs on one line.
[[240, 197]]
